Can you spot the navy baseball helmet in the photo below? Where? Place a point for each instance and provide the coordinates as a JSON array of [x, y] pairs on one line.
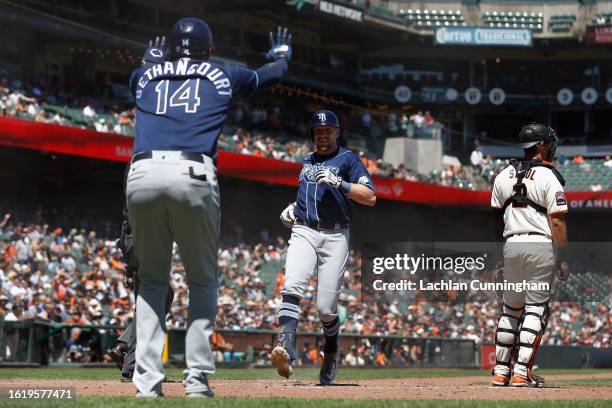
[[189, 37], [323, 117], [534, 133]]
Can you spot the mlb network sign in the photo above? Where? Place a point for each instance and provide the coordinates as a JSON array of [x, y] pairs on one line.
[[340, 11], [519, 37]]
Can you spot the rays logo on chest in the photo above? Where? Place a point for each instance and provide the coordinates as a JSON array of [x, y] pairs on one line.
[[309, 170]]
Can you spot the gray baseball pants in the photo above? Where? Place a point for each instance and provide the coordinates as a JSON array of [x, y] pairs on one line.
[[526, 258], [129, 337], [324, 252], [168, 201]]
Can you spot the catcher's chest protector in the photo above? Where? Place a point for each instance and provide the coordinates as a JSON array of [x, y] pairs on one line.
[[523, 169]]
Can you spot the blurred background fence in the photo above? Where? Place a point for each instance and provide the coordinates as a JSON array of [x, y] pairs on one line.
[[40, 343]]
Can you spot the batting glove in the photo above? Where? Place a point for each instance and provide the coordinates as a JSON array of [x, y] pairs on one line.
[[280, 45], [328, 177], [156, 51], [287, 217]]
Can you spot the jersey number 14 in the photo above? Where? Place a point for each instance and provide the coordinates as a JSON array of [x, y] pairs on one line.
[[186, 95]]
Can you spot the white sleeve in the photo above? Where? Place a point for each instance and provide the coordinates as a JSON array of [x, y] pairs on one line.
[[495, 197]]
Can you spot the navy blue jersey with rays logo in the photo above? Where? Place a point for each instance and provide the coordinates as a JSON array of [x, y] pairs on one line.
[[320, 203], [182, 104]]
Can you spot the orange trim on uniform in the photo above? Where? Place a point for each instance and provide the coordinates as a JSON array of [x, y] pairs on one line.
[[558, 212]]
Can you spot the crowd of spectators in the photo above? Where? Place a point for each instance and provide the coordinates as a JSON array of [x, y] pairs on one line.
[[260, 131], [602, 19], [42, 102], [256, 144], [575, 170], [245, 142], [75, 277], [264, 131]]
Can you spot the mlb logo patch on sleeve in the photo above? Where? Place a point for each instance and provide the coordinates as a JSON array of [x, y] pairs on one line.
[[363, 180], [560, 197]]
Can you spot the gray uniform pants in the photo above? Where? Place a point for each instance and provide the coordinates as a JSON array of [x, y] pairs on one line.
[[129, 337], [531, 259], [324, 252], [167, 203]]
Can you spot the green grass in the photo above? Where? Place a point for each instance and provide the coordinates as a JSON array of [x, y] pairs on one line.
[[591, 382], [71, 373], [304, 374], [126, 402]]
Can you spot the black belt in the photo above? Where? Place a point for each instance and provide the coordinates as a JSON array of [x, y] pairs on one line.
[[322, 225], [196, 157], [527, 233]]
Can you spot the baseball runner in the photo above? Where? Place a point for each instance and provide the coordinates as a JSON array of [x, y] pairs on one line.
[[330, 180], [172, 192], [529, 196]]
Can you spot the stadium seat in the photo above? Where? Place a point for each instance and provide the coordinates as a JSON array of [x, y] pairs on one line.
[[511, 19], [561, 23], [428, 19]]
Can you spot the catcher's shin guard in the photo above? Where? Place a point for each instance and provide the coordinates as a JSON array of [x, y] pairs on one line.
[[505, 339], [532, 329]]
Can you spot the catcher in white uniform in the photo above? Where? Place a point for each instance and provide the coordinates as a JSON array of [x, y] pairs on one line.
[[529, 197]]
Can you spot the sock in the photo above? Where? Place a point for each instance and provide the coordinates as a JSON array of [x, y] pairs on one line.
[[289, 313], [331, 330]]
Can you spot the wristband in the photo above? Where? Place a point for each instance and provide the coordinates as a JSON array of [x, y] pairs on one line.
[[344, 186]]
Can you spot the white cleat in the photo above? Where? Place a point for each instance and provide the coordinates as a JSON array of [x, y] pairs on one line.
[[281, 361]]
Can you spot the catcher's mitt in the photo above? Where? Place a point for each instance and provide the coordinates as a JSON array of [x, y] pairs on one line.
[[126, 244]]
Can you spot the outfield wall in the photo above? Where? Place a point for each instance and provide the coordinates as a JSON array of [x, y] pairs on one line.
[[557, 357], [42, 343]]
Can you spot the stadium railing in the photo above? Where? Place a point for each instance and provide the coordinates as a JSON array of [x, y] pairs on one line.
[[38, 342]]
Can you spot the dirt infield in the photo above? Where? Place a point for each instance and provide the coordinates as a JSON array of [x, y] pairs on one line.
[[410, 388]]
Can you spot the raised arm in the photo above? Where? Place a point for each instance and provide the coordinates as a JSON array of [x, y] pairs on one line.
[[280, 53]]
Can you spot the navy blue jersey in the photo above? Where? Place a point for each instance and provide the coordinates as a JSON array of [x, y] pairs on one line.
[[181, 105], [319, 203]]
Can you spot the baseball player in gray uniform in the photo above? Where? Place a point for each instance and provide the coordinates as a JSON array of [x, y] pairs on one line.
[[124, 353], [172, 193], [330, 180], [529, 197]]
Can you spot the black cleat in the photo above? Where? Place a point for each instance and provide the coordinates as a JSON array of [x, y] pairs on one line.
[[329, 369], [283, 355]]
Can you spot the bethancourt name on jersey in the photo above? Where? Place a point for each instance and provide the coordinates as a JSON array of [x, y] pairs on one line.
[[182, 68]]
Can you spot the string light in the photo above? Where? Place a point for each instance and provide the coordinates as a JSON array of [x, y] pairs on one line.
[[329, 100]]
